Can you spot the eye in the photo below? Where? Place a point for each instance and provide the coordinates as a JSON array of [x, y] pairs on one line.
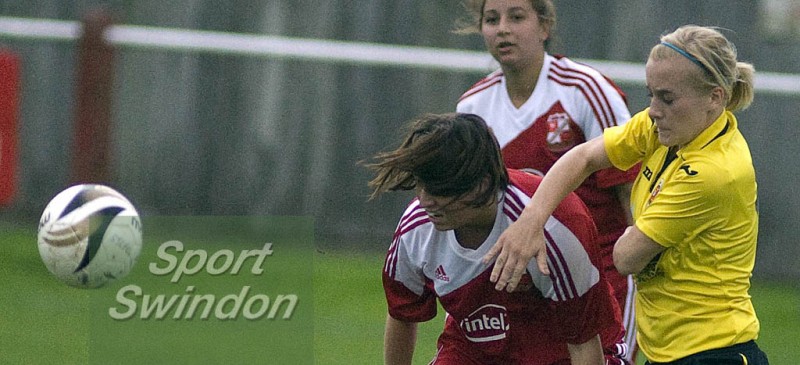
[[489, 19], [668, 100]]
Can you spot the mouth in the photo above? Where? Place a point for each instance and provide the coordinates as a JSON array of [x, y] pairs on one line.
[[435, 217], [504, 46], [434, 214]]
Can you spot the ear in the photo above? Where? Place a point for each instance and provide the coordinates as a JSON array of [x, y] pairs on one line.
[[545, 31], [718, 97], [486, 183], [480, 188]]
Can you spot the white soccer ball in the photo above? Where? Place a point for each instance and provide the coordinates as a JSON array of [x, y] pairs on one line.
[[89, 235]]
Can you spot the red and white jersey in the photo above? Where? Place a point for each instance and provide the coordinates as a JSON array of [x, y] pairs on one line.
[[571, 103], [531, 325]]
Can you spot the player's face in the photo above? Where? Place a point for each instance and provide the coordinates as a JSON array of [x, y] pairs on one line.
[[512, 32], [449, 213], [680, 109]]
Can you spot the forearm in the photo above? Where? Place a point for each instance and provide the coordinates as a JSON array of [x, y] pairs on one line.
[[587, 353], [399, 341], [569, 172], [634, 250], [524, 239]]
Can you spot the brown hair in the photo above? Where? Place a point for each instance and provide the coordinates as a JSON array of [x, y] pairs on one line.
[[448, 155], [545, 9], [708, 48]]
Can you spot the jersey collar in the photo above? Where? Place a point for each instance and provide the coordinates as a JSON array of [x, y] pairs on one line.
[[724, 124]]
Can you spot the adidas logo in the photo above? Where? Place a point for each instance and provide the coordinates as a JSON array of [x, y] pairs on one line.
[[440, 274]]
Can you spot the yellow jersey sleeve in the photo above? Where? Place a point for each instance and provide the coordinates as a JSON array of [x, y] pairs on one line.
[[628, 144]]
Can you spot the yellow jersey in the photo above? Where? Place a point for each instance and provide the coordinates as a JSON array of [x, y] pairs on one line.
[[701, 206]]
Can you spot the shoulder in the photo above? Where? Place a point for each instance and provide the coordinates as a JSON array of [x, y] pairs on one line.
[[720, 154], [493, 79], [565, 67], [413, 220], [724, 166], [525, 182], [567, 72], [410, 240], [586, 91], [522, 186]]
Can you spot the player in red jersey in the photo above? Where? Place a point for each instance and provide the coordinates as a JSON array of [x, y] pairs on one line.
[[465, 199], [540, 106]]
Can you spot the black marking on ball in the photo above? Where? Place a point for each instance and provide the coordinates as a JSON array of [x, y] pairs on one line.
[[79, 199], [96, 238], [87, 194]]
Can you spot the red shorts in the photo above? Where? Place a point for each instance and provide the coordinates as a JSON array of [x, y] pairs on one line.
[[454, 349]]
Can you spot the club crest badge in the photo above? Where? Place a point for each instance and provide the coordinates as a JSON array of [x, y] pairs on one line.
[[656, 190], [558, 129]]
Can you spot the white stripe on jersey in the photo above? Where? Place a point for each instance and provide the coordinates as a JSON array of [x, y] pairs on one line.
[[418, 250], [572, 273], [491, 79], [412, 217], [588, 97], [589, 87]]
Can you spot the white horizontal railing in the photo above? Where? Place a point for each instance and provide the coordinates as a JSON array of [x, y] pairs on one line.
[[319, 50]]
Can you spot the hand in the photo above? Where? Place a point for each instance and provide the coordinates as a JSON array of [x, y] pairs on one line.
[[514, 250]]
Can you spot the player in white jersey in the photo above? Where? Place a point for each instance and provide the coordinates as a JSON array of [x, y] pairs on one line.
[[540, 106], [465, 200]]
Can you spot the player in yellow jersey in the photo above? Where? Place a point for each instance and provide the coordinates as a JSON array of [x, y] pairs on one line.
[[693, 243]]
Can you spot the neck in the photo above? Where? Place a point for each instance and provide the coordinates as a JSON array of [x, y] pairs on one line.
[[472, 236], [520, 82], [711, 117]]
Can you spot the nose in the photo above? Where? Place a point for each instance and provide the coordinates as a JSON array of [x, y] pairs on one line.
[[502, 25], [425, 200], [655, 111]]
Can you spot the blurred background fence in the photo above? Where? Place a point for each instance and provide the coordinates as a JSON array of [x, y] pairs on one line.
[[198, 131]]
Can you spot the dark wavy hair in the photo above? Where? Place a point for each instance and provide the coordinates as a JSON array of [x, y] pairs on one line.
[[448, 155]]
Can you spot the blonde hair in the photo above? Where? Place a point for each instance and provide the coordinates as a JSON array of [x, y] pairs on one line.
[[709, 49]]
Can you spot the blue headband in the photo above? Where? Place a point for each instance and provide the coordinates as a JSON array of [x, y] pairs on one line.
[[686, 54]]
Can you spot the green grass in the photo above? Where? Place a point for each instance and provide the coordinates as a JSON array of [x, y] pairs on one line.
[[777, 305], [36, 312], [45, 322], [778, 309], [350, 311]]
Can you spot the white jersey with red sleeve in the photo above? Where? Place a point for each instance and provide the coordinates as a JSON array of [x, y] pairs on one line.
[[571, 103], [531, 325]]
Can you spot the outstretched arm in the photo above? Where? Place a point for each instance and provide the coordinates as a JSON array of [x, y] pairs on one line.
[[398, 341], [524, 239]]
